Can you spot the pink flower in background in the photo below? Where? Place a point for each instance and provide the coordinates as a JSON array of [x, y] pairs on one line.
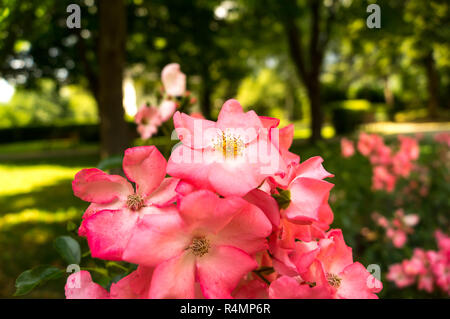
[[210, 239], [383, 179], [387, 165], [148, 120], [381, 155], [397, 229], [430, 269], [409, 146], [398, 276], [381, 220], [173, 79], [347, 147], [401, 165], [166, 110], [367, 143], [443, 138], [116, 206], [443, 243], [398, 237]]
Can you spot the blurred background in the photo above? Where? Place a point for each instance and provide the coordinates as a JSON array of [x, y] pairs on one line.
[[68, 97]]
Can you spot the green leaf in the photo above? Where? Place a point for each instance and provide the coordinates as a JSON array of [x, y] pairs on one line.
[[69, 249], [283, 198], [30, 279], [110, 162]]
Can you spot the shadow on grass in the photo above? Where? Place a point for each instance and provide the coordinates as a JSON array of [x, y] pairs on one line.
[[64, 161], [54, 197], [29, 223]]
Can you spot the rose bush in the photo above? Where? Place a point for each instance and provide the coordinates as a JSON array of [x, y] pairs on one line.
[[239, 216]]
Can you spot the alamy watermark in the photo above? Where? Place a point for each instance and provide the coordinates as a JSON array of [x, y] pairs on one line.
[[374, 19], [73, 21]]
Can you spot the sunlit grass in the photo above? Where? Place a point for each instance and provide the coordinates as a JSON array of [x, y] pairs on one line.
[[37, 216], [302, 131], [36, 203], [21, 179]]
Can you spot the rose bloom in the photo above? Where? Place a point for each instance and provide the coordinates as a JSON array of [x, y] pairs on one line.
[[231, 156], [116, 205], [173, 79], [367, 143], [383, 179], [347, 148], [207, 239], [166, 110], [148, 120]]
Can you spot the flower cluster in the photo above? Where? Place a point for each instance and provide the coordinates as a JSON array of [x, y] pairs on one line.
[[397, 229], [149, 118], [443, 138], [387, 165], [417, 187], [430, 269], [239, 217]]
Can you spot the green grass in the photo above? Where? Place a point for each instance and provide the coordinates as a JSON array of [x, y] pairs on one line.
[[36, 202]]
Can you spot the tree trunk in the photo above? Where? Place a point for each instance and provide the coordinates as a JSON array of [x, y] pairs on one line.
[[293, 105], [313, 88], [114, 133], [308, 66], [205, 101], [432, 84]]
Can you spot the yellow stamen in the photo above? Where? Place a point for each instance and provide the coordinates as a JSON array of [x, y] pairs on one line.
[[229, 145], [135, 202], [334, 280], [200, 246]]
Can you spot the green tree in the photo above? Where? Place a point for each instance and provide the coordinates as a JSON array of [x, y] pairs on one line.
[[36, 43]]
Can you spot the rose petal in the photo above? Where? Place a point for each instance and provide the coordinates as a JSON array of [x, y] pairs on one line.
[[247, 230], [174, 278], [94, 185], [108, 232], [266, 203], [221, 270], [156, 238], [205, 212], [145, 166], [80, 286]]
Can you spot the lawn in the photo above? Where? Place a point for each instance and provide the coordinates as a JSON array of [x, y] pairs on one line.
[[36, 203]]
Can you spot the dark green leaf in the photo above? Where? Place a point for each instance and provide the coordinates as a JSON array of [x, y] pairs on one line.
[[69, 249], [283, 198], [110, 162], [31, 278]]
